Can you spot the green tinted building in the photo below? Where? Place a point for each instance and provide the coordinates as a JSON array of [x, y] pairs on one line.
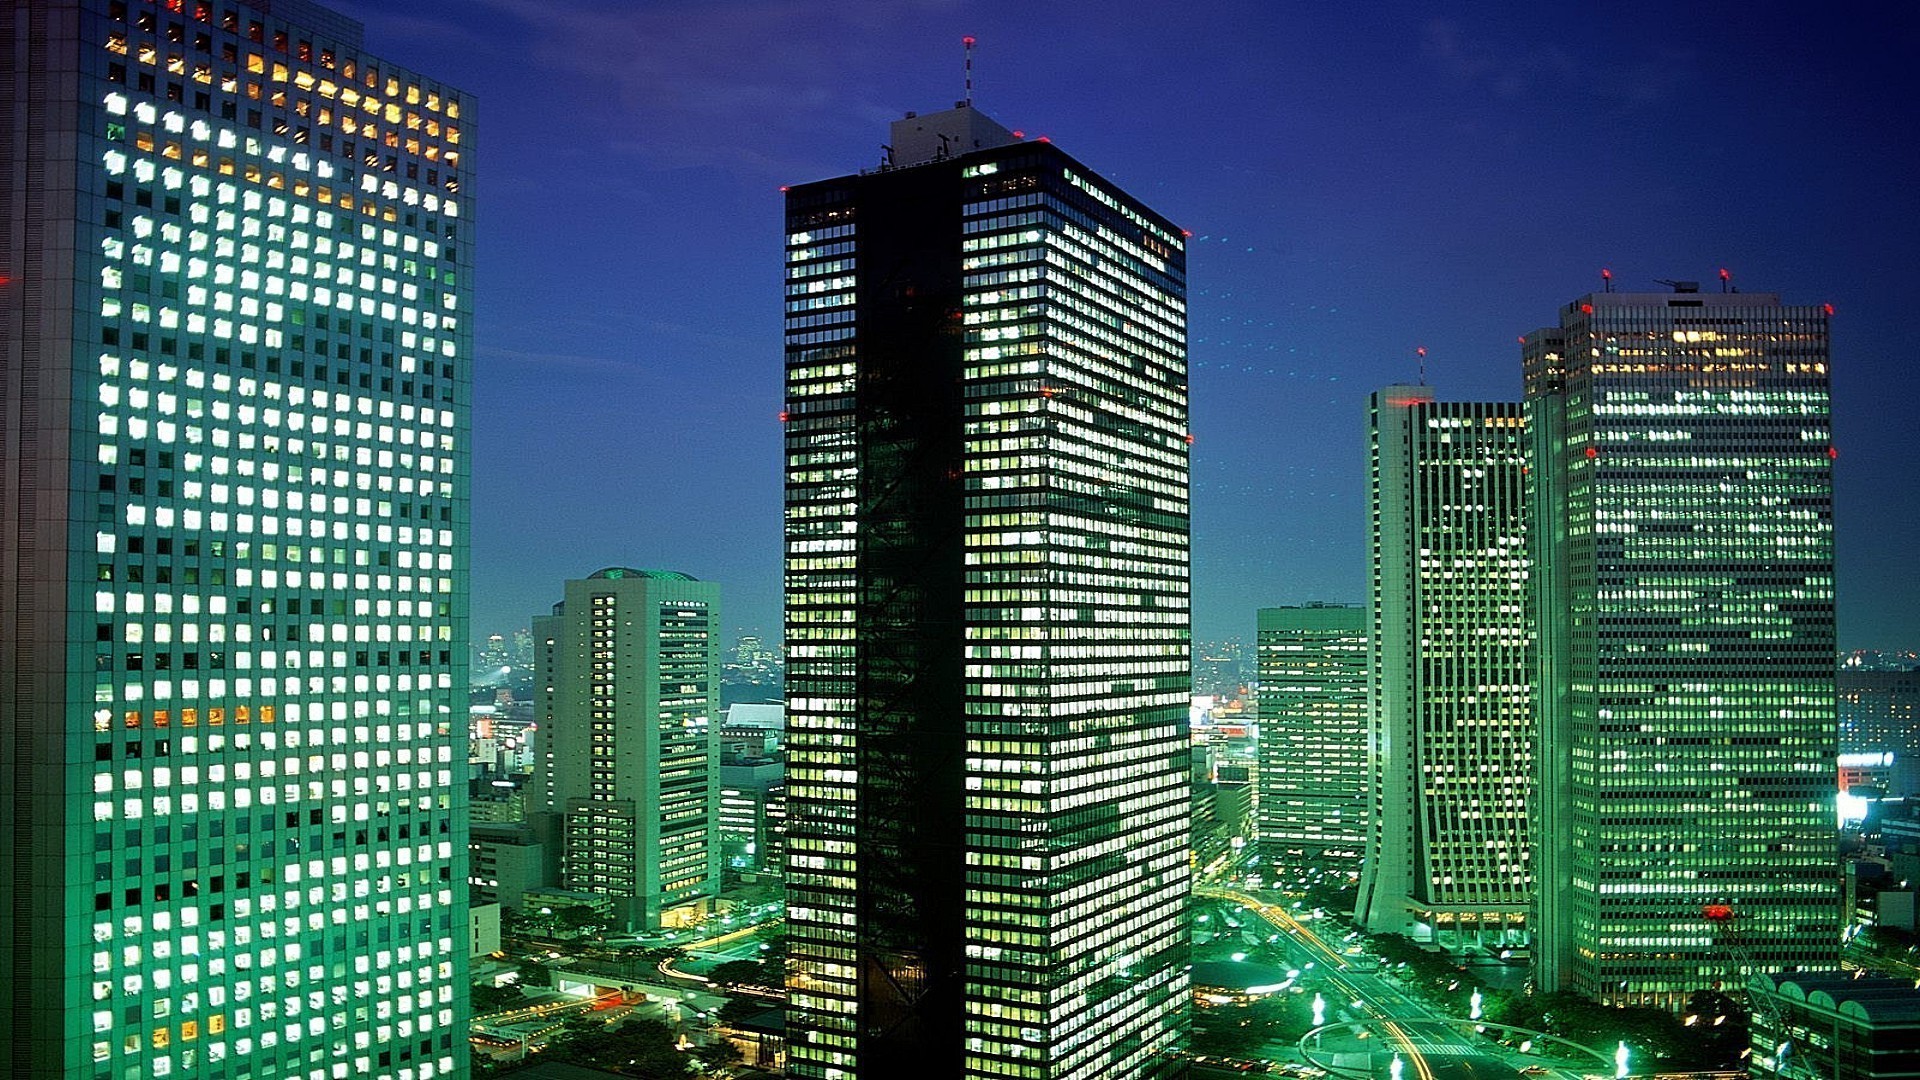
[[626, 770], [234, 397], [1452, 666], [1312, 781], [1683, 498]]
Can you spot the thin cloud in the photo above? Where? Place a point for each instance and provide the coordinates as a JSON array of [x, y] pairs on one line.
[[1529, 71], [735, 84]]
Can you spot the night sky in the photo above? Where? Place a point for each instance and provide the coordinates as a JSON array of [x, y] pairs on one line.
[[1360, 179]]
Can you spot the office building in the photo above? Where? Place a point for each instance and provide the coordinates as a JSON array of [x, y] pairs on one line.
[[1452, 667], [234, 394], [505, 860], [749, 795], [986, 616], [627, 681], [1683, 539], [1880, 715], [1834, 1025], [1312, 778]]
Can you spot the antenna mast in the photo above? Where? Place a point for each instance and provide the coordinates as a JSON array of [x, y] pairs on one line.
[[1421, 352], [967, 44]]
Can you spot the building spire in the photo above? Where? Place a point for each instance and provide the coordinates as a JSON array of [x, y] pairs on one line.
[[966, 44]]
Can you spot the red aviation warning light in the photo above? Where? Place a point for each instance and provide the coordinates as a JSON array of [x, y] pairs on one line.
[[1593, 451], [1718, 914]]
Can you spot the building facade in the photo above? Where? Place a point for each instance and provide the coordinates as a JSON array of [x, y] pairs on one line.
[[627, 677], [986, 617], [1880, 714], [1452, 668], [1683, 498], [1312, 779], [1834, 1025], [234, 396], [750, 797]]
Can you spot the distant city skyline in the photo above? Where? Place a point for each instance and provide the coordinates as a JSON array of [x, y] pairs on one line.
[[1359, 181]]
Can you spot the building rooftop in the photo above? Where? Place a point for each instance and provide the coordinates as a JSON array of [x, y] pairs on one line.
[[615, 573], [1878, 1001]]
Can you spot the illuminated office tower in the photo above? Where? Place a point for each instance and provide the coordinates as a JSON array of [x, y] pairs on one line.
[[986, 617], [1313, 739], [1683, 507], [628, 688], [233, 561], [1452, 664]]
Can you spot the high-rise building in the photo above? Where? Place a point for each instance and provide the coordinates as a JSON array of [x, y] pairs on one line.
[[628, 689], [1312, 779], [234, 396], [986, 616], [1880, 710], [1880, 724], [1683, 570], [1452, 669]]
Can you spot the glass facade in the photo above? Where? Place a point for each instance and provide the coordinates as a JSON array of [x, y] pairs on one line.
[[1312, 780], [629, 690], [1452, 664], [987, 620], [1684, 533], [239, 352]]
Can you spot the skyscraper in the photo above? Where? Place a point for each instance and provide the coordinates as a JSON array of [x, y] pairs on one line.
[[1452, 667], [1313, 738], [628, 692], [986, 616], [233, 564], [1683, 509]]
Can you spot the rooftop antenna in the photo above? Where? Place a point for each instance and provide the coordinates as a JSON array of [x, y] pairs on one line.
[[1726, 279], [1421, 352], [967, 44], [1606, 279]]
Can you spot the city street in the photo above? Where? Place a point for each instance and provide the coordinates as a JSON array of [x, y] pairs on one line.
[[1386, 1022]]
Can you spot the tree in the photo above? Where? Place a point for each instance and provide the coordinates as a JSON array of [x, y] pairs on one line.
[[488, 998], [532, 974], [741, 1008], [653, 1055], [742, 972], [718, 1057], [642, 1048], [579, 919], [1718, 1030]]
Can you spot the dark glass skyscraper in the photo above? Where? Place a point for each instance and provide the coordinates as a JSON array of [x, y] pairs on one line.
[[1683, 531], [234, 407], [987, 617]]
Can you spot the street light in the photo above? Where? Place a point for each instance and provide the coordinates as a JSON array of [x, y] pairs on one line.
[[1620, 1056]]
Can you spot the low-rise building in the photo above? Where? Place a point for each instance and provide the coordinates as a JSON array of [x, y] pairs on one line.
[[504, 862], [1832, 1025]]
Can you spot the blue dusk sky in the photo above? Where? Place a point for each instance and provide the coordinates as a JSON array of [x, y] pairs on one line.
[[1360, 180]]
